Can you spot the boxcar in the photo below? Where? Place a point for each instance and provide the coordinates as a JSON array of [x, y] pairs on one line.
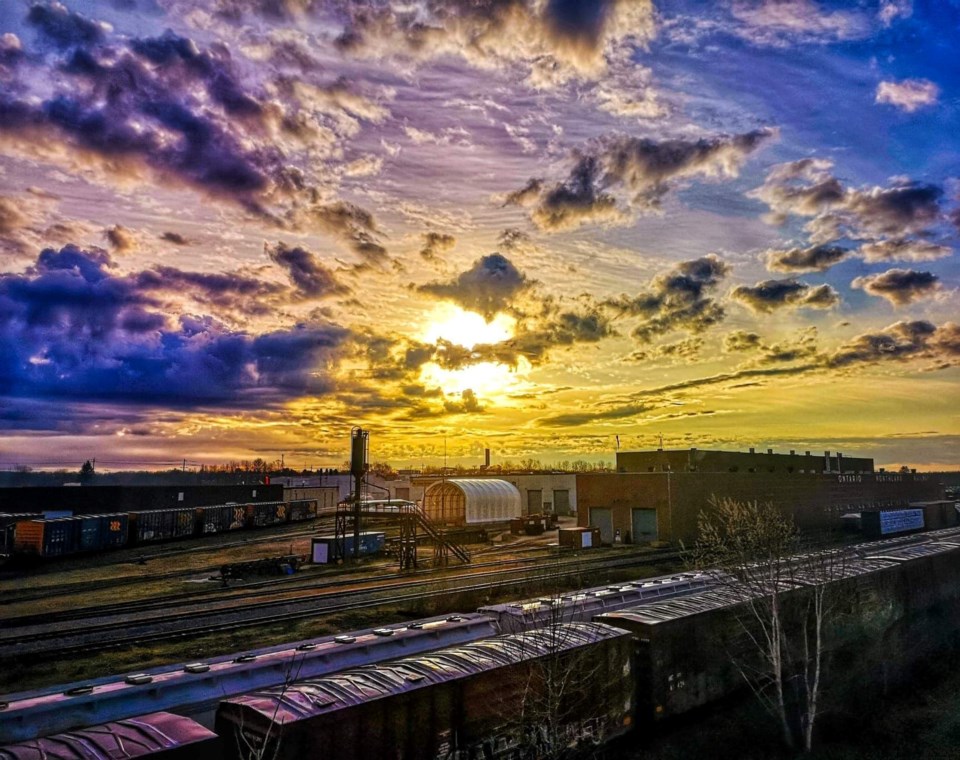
[[47, 538], [484, 699], [266, 513], [298, 511], [8, 528], [158, 735], [221, 518], [161, 524]]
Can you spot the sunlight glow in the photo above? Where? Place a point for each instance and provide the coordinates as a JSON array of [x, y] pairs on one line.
[[465, 328], [486, 379]]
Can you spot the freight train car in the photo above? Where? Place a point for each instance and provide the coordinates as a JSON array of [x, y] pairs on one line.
[[63, 536], [692, 650], [8, 528], [220, 518], [482, 700], [161, 525], [159, 736], [300, 511], [266, 513], [583, 606]]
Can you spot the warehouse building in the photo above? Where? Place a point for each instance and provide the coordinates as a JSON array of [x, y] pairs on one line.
[[471, 501], [658, 495]]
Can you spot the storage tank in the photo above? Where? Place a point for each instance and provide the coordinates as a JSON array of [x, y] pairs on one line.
[[471, 501]]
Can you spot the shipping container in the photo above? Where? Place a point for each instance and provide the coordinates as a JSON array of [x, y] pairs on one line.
[[579, 538], [161, 735], [322, 548]]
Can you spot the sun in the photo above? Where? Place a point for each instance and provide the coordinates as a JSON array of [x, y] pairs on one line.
[[466, 328], [469, 329]]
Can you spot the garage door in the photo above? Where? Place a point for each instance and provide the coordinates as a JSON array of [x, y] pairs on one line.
[[644, 525], [534, 502], [602, 517], [561, 502]]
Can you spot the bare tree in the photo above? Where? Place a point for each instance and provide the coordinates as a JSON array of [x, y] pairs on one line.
[[789, 598]]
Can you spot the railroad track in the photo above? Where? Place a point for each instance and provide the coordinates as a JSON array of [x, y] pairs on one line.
[[247, 592], [58, 642]]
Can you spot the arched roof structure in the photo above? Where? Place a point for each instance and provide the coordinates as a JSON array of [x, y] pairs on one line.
[[471, 501]]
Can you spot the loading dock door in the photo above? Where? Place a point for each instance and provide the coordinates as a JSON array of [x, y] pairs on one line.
[[644, 525], [534, 502], [602, 517], [561, 502]]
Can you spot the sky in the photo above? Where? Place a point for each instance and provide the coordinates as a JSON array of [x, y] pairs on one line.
[[234, 229]]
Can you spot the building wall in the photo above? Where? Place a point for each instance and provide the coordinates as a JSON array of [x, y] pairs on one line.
[[326, 496], [697, 460], [815, 501]]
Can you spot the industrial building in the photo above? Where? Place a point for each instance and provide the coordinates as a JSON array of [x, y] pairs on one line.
[[471, 501], [658, 495]]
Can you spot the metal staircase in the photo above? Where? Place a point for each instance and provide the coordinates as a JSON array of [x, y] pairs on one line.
[[413, 523]]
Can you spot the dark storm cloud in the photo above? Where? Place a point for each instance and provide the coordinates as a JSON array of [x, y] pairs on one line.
[[163, 109], [174, 237], [435, 244], [646, 170], [575, 419], [62, 27], [770, 295], [71, 329], [899, 286], [306, 271], [489, 286], [677, 300], [468, 404], [816, 258]]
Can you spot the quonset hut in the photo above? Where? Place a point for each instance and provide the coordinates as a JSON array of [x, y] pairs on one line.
[[471, 501]]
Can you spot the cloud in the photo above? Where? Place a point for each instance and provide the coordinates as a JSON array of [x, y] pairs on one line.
[[682, 350], [677, 300], [12, 218], [903, 249], [120, 238], [311, 277], [771, 295], [231, 291], [515, 241], [365, 166], [174, 237], [489, 286], [352, 224], [807, 188], [899, 286], [782, 22], [817, 258], [468, 404], [741, 341], [435, 244], [899, 342], [908, 95], [63, 27], [646, 170], [72, 329], [552, 41]]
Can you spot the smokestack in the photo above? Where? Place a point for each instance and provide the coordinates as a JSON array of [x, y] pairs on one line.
[[826, 461], [486, 458]]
